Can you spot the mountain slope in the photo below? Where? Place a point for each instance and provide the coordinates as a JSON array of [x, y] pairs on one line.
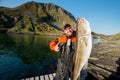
[[33, 17]]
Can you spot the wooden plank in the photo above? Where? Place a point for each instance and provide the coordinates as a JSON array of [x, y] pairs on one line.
[[41, 77], [32, 78], [54, 74], [37, 78], [46, 77], [51, 76], [27, 79]]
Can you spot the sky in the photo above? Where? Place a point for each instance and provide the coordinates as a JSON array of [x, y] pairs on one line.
[[103, 15]]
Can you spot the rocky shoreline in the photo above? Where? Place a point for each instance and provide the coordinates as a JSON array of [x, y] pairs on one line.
[[104, 63]]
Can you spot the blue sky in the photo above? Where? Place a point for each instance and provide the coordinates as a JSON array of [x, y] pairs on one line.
[[103, 15]]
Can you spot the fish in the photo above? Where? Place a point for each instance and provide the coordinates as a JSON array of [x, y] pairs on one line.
[[83, 46]]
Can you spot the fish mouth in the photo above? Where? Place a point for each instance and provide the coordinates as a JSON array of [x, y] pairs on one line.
[[84, 26]]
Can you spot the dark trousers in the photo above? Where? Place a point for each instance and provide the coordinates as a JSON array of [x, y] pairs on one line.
[[62, 72]]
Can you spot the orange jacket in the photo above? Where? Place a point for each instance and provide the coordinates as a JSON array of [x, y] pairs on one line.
[[61, 39]]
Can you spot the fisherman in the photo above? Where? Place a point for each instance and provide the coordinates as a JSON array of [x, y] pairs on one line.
[[66, 46]]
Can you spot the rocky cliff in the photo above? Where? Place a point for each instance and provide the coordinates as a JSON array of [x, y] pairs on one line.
[[33, 17], [36, 18]]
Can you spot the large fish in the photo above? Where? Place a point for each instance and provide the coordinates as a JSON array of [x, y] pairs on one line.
[[83, 46]]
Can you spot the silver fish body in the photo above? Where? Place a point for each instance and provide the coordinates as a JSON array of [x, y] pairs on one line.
[[83, 46]]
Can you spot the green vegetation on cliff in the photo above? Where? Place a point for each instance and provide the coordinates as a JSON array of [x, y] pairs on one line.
[[37, 18]]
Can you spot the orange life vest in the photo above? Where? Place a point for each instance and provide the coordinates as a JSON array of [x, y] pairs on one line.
[[61, 39]]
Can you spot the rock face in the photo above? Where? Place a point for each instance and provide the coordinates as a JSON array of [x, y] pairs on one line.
[[35, 17], [104, 62]]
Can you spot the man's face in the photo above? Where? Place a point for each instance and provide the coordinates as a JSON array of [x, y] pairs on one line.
[[68, 31]]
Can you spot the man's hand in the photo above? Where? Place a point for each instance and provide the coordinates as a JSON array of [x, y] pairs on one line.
[[57, 48]]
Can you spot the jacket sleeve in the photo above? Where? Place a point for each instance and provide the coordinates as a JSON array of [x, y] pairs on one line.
[[52, 44]]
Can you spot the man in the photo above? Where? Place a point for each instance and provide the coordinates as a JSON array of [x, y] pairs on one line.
[[66, 45]]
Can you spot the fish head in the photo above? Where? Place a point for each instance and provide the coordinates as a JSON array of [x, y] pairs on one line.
[[84, 26]]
